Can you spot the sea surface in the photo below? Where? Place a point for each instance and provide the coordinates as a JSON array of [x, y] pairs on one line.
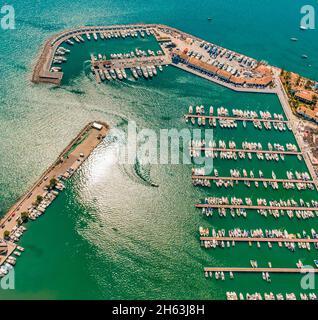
[[111, 234]]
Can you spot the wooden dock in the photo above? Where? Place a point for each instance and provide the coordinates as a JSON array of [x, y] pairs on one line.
[[187, 116], [244, 239], [231, 206], [255, 270], [252, 179], [10, 249], [296, 153], [97, 76]]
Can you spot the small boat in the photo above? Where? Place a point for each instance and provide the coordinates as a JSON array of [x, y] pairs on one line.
[[107, 75], [304, 56], [139, 71], [112, 74], [134, 73], [293, 39], [303, 28], [124, 73], [154, 70]]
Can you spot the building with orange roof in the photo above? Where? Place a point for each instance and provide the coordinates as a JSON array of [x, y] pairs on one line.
[[308, 113], [224, 75], [202, 66], [179, 56], [259, 82], [263, 69], [305, 96], [237, 81]]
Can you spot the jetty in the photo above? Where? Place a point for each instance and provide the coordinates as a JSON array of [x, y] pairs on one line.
[[188, 116], [67, 163], [251, 239], [261, 270], [129, 63], [251, 207], [294, 153], [252, 179]]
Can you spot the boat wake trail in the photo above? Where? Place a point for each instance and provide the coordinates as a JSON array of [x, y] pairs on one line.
[[143, 172]]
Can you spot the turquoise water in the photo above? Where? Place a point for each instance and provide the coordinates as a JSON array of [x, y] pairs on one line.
[[110, 234]]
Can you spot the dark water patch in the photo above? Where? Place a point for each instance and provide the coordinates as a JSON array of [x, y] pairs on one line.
[[77, 91], [34, 249], [55, 88], [143, 172]]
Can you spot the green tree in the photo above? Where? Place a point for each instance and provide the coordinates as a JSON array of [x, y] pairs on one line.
[[24, 216], [309, 84], [38, 200], [53, 183], [6, 234]]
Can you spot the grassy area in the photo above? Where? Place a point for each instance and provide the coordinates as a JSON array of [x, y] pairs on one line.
[[74, 146]]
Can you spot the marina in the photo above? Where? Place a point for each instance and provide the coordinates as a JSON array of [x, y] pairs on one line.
[[145, 67], [240, 74]]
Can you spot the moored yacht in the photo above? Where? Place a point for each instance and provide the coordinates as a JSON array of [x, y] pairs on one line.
[[145, 72], [154, 70], [134, 73], [112, 73], [149, 69]]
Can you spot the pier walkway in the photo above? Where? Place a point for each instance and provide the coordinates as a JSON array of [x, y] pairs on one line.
[[296, 153], [187, 116], [244, 239], [252, 207], [258, 270], [253, 179], [130, 62], [10, 248]]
